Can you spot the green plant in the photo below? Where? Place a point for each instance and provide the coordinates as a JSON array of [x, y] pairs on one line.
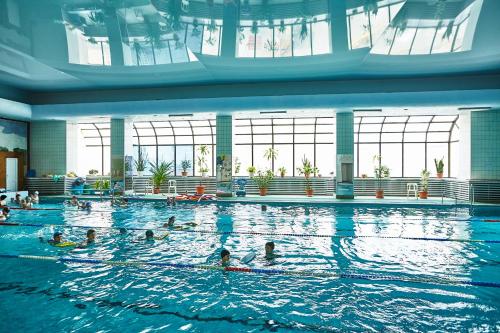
[[202, 160], [102, 184], [303, 29], [142, 160], [237, 165], [370, 6], [185, 165], [439, 165], [282, 170], [263, 178], [271, 154], [307, 169], [93, 172], [424, 180], [251, 169], [160, 172], [2, 148], [380, 171]]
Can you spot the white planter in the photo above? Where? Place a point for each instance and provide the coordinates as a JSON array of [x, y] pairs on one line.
[[250, 174], [204, 174], [140, 173]]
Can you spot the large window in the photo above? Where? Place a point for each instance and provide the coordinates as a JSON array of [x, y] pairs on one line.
[[94, 150], [176, 141], [293, 138], [425, 36], [407, 144], [365, 24], [284, 38]]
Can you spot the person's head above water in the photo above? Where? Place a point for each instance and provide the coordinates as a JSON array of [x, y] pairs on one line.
[[225, 255], [3, 197], [91, 235], [5, 210], [123, 231], [269, 247], [149, 234], [57, 237], [263, 208], [171, 220], [18, 196]]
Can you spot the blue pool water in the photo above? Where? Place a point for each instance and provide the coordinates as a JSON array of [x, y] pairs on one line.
[[40, 295]]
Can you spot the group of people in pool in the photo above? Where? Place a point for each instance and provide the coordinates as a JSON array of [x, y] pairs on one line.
[[24, 203]]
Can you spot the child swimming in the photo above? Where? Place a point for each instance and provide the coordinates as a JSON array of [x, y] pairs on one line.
[[269, 251], [58, 241], [225, 257], [5, 214], [3, 200], [150, 236], [90, 239]]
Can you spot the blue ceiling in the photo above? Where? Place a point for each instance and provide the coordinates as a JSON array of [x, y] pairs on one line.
[[61, 45]]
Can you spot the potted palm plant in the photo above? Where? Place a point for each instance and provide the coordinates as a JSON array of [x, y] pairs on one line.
[[141, 162], [202, 160], [282, 171], [237, 166], [160, 172], [185, 165], [439, 167], [271, 154], [251, 171], [102, 185], [263, 179], [424, 183], [93, 172], [307, 169], [381, 172]]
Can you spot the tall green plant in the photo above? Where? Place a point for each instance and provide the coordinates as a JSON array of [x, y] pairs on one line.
[[271, 154], [439, 165], [380, 171], [307, 169], [424, 180], [160, 172], [142, 160]]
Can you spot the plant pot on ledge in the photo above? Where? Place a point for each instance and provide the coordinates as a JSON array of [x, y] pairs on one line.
[[309, 192], [379, 194], [200, 189], [184, 173], [439, 175], [156, 190], [262, 191], [422, 194]]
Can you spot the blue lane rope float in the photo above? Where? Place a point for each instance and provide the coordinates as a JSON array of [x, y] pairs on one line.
[[325, 274], [34, 225]]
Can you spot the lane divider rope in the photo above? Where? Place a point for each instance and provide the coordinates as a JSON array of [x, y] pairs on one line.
[[261, 233], [325, 274]]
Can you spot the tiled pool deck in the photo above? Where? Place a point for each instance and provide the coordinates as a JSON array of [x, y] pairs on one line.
[[300, 199]]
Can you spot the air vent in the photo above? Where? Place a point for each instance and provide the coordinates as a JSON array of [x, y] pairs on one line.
[[367, 110], [475, 108]]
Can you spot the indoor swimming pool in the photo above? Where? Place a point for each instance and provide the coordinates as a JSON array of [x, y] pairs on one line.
[[338, 268]]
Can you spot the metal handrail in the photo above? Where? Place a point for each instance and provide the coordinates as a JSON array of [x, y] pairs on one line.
[[471, 194]]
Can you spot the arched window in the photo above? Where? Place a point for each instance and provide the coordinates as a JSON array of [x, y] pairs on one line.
[[94, 147], [407, 144], [293, 138], [176, 140]]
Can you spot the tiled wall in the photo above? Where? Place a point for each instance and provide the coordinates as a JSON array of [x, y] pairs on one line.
[[48, 147], [345, 133], [117, 149], [224, 130], [485, 144], [464, 145]]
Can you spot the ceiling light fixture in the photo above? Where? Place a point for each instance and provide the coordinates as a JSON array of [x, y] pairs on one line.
[[367, 110], [272, 112], [180, 115], [475, 108]]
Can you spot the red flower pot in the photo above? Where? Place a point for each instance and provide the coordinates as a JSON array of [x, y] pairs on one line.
[[379, 194]]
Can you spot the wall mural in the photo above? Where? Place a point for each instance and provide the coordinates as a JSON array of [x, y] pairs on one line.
[[13, 136]]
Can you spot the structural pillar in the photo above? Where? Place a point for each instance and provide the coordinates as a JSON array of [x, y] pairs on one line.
[[224, 153], [121, 150], [338, 26], [115, 37], [230, 22], [345, 155]]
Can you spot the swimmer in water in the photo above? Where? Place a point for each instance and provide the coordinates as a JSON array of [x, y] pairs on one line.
[[5, 214], [150, 236], [90, 239], [171, 201], [56, 239], [263, 208], [3, 200], [26, 203], [86, 205], [34, 197], [74, 201], [225, 257], [171, 221], [269, 250], [122, 202], [124, 232], [17, 200]]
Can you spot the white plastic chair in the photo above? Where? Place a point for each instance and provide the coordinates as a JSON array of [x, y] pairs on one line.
[[412, 187], [172, 184]]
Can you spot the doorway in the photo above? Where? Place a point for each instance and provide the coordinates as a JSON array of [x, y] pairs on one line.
[[11, 174]]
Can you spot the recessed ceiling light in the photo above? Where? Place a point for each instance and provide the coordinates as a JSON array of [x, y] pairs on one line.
[[181, 115], [271, 112]]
